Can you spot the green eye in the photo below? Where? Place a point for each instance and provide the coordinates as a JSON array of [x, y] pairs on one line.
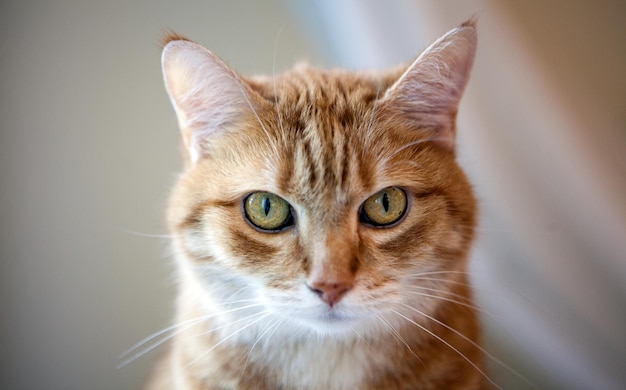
[[267, 211], [385, 207]]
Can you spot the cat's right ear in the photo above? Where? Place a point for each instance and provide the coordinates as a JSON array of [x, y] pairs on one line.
[[206, 94], [427, 95]]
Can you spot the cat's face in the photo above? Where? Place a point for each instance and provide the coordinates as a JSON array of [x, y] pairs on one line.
[[322, 197]]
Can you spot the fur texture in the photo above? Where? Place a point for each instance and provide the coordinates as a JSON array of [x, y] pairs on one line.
[[331, 301]]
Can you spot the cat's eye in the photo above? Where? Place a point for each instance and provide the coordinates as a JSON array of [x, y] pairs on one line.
[[267, 211], [385, 207]]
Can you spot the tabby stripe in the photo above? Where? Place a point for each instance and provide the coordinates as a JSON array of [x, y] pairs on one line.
[[250, 249], [411, 237], [194, 218]]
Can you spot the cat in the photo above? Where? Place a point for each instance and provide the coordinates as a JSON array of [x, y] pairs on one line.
[[322, 226]]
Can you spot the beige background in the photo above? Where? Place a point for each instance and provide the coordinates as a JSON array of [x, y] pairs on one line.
[[89, 149]]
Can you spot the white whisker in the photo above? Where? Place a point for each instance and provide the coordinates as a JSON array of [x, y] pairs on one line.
[[149, 235], [385, 159], [406, 146], [258, 118], [492, 357], [233, 334], [466, 304], [175, 329], [446, 281], [271, 326], [397, 335], [180, 327], [449, 346], [439, 273]]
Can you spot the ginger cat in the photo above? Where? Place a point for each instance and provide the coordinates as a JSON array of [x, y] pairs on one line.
[[322, 226]]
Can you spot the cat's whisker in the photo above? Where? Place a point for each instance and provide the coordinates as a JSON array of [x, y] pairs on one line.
[[453, 282], [161, 332], [175, 329], [397, 335], [468, 305], [445, 281], [246, 318], [483, 350], [440, 272], [180, 327], [359, 336], [449, 346], [233, 334], [272, 326], [458, 298], [148, 235]]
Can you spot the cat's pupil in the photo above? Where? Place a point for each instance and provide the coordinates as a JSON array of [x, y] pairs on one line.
[[386, 202], [266, 205]]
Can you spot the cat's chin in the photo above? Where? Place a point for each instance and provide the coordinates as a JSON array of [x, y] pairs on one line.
[[330, 322]]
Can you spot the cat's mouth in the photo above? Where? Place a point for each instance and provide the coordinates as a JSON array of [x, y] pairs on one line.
[[332, 316], [331, 321]]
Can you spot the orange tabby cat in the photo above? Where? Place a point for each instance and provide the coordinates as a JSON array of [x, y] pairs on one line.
[[322, 226]]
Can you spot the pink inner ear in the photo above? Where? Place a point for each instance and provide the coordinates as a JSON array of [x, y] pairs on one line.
[[429, 91], [206, 94]]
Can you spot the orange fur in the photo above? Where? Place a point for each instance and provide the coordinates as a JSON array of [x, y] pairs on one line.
[[324, 141]]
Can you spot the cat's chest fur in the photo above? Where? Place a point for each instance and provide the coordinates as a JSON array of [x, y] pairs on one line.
[[289, 364]]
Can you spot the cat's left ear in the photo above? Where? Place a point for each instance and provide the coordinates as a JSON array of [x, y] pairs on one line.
[[428, 92], [209, 98]]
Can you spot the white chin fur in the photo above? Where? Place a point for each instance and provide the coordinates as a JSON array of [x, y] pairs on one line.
[[324, 321]]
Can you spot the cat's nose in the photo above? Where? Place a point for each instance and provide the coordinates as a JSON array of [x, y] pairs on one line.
[[330, 292]]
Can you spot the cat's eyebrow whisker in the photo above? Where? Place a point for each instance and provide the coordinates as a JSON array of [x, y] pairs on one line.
[[385, 159], [412, 163], [410, 144], [245, 96], [483, 350], [449, 346], [175, 329]]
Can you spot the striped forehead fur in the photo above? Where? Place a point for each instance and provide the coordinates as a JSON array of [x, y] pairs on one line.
[[324, 121]]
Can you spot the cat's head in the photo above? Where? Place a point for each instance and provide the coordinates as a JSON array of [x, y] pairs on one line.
[[324, 196]]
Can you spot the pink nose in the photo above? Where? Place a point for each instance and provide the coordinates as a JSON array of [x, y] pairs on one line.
[[330, 292]]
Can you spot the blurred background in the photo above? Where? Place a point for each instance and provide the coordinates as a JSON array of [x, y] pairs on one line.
[[89, 148]]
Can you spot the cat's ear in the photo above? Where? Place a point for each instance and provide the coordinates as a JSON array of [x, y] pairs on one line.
[[206, 94], [427, 94]]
